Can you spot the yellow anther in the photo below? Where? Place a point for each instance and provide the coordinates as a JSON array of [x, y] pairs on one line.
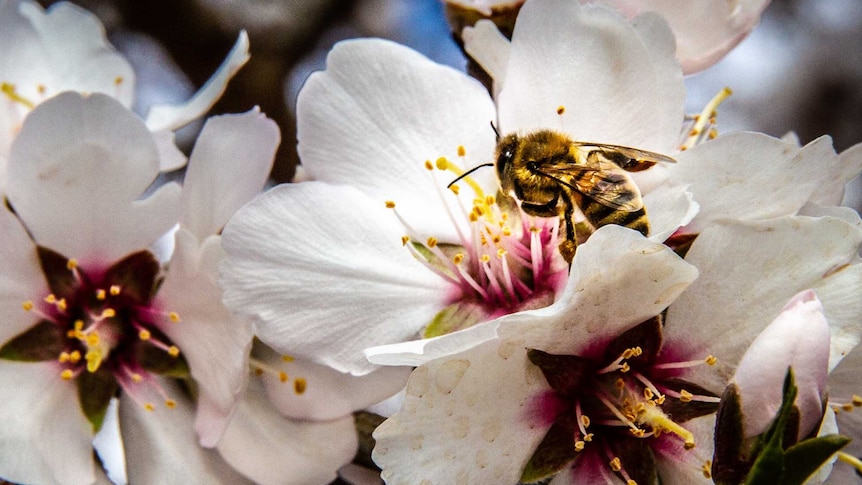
[[170, 403], [40, 88], [109, 313], [693, 132], [51, 299], [173, 351], [27, 305], [660, 400], [507, 231], [713, 134], [144, 334], [461, 151], [579, 445], [118, 80], [637, 432], [258, 371], [707, 469], [442, 163], [429, 165], [473, 217], [455, 189], [588, 437], [67, 374], [9, 90], [710, 360], [174, 317], [857, 400], [94, 359], [101, 294], [561, 110], [847, 407], [620, 384], [61, 304], [685, 396], [490, 200], [115, 290], [64, 357], [501, 252], [390, 204], [405, 240], [75, 357], [282, 376], [485, 258], [149, 407], [71, 264], [299, 385], [615, 464], [137, 377], [648, 394], [631, 482], [585, 421], [625, 367], [93, 339], [431, 242], [458, 258]]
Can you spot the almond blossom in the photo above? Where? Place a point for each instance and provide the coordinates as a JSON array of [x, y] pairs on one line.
[[91, 312], [385, 253], [595, 388], [64, 48]]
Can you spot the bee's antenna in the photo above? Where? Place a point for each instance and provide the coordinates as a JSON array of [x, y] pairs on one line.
[[496, 133], [468, 172]]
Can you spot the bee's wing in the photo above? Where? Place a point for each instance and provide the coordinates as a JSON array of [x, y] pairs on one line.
[[601, 180], [628, 158]]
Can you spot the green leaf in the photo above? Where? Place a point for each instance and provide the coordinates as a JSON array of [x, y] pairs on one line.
[[41, 342], [804, 458], [769, 465]]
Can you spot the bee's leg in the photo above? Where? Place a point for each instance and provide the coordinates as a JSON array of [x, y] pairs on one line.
[[570, 245]]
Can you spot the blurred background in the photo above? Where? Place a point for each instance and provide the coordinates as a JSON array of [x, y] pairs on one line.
[[800, 70]]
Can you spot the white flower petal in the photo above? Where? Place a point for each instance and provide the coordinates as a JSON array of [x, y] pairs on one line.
[[75, 56], [108, 443], [843, 385], [206, 330], [52, 187], [327, 393], [273, 450], [170, 157], [161, 445], [751, 176], [417, 352], [748, 271], [171, 117], [798, 338], [839, 292], [668, 209], [471, 418], [678, 466], [378, 112], [561, 56], [321, 271], [45, 437], [229, 165], [21, 277], [618, 280], [849, 166], [705, 30], [490, 48]]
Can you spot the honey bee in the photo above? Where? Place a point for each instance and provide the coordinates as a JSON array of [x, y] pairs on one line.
[[551, 175]]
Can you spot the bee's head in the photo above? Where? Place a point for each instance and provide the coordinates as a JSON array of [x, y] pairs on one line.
[[507, 149]]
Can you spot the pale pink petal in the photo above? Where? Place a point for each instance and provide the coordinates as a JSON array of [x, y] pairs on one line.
[[751, 176], [162, 447], [798, 338], [229, 165], [75, 56], [271, 449], [471, 418], [678, 466], [172, 117], [325, 392], [748, 271], [45, 436], [705, 30], [322, 272], [618, 280], [379, 112], [64, 143], [215, 343], [21, 277], [560, 58]]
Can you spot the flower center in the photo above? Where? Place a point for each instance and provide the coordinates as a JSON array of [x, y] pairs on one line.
[[504, 260], [103, 330], [613, 409]]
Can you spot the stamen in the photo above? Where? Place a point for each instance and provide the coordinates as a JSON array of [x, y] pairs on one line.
[[850, 460], [654, 417], [707, 469], [709, 360], [706, 116], [9, 90], [299, 385]]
